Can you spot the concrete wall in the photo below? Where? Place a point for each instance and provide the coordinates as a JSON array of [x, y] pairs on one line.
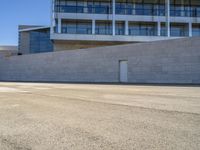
[[173, 61], [24, 42]]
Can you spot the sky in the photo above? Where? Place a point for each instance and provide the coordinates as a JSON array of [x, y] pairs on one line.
[[21, 12]]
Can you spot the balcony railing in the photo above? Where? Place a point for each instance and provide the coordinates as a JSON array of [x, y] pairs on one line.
[[179, 32], [76, 30], [103, 30], [107, 30], [82, 9], [154, 11], [185, 13], [143, 32], [175, 32]]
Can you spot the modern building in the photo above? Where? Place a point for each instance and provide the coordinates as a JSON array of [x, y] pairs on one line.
[[34, 39], [90, 23], [124, 20]]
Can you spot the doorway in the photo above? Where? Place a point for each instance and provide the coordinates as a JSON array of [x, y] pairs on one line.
[[123, 71]]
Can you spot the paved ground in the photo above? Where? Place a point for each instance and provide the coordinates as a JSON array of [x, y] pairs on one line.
[[103, 117]]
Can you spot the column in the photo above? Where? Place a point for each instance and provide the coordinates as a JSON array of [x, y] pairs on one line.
[[85, 9], [159, 28], [167, 4], [190, 29], [93, 26], [134, 9], [113, 17], [59, 25], [182, 8], [126, 27], [52, 17]]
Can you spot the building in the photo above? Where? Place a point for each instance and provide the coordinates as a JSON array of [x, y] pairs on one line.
[[131, 20], [79, 24], [34, 39]]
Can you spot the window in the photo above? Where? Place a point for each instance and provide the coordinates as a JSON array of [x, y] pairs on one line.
[[77, 27], [103, 27], [142, 29], [179, 30], [196, 30], [40, 41], [120, 28]]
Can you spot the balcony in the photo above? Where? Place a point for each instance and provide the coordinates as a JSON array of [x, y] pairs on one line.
[[142, 29], [76, 27], [130, 9], [176, 30]]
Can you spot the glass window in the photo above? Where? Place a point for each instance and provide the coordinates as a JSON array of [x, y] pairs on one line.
[[142, 29], [196, 30], [103, 28], [127, 7], [121, 8], [179, 30], [77, 27], [40, 41], [120, 28]]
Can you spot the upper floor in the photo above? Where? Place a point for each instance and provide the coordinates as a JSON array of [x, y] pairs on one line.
[[178, 8]]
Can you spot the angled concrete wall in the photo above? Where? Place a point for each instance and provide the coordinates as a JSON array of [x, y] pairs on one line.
[[173, 61]]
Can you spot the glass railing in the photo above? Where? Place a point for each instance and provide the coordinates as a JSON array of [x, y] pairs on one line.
[[132, 31], [185, 13], [178, 32], [99, 30], [103, 30], [140, 11], [82, 9], [195, 34], [175, 32], [154, 11], [120, 31], [76, 30], [143, 32]]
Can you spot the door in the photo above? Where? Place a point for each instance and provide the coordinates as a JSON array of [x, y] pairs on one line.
[[123, 71]]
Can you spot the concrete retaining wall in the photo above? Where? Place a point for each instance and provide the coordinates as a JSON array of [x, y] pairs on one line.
[[173, 61]]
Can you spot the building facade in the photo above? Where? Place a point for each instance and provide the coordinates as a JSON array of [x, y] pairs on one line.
[[78, 24], [124, 20], [34, 39]]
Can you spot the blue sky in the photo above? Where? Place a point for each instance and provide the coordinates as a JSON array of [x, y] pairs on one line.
[[21, 12]]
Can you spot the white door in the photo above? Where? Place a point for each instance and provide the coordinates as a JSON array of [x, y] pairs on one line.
[[123, 71]]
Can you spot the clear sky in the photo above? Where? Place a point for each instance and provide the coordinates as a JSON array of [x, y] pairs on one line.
[[21, 12]]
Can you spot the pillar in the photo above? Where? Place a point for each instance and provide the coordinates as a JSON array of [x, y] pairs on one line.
[[182, 8], [59, 25], [93, 26], [113, 17], [134, 11], [167, 13], [190, 29], [159, 28], [85, 9], [126, 27], [52, 17]]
